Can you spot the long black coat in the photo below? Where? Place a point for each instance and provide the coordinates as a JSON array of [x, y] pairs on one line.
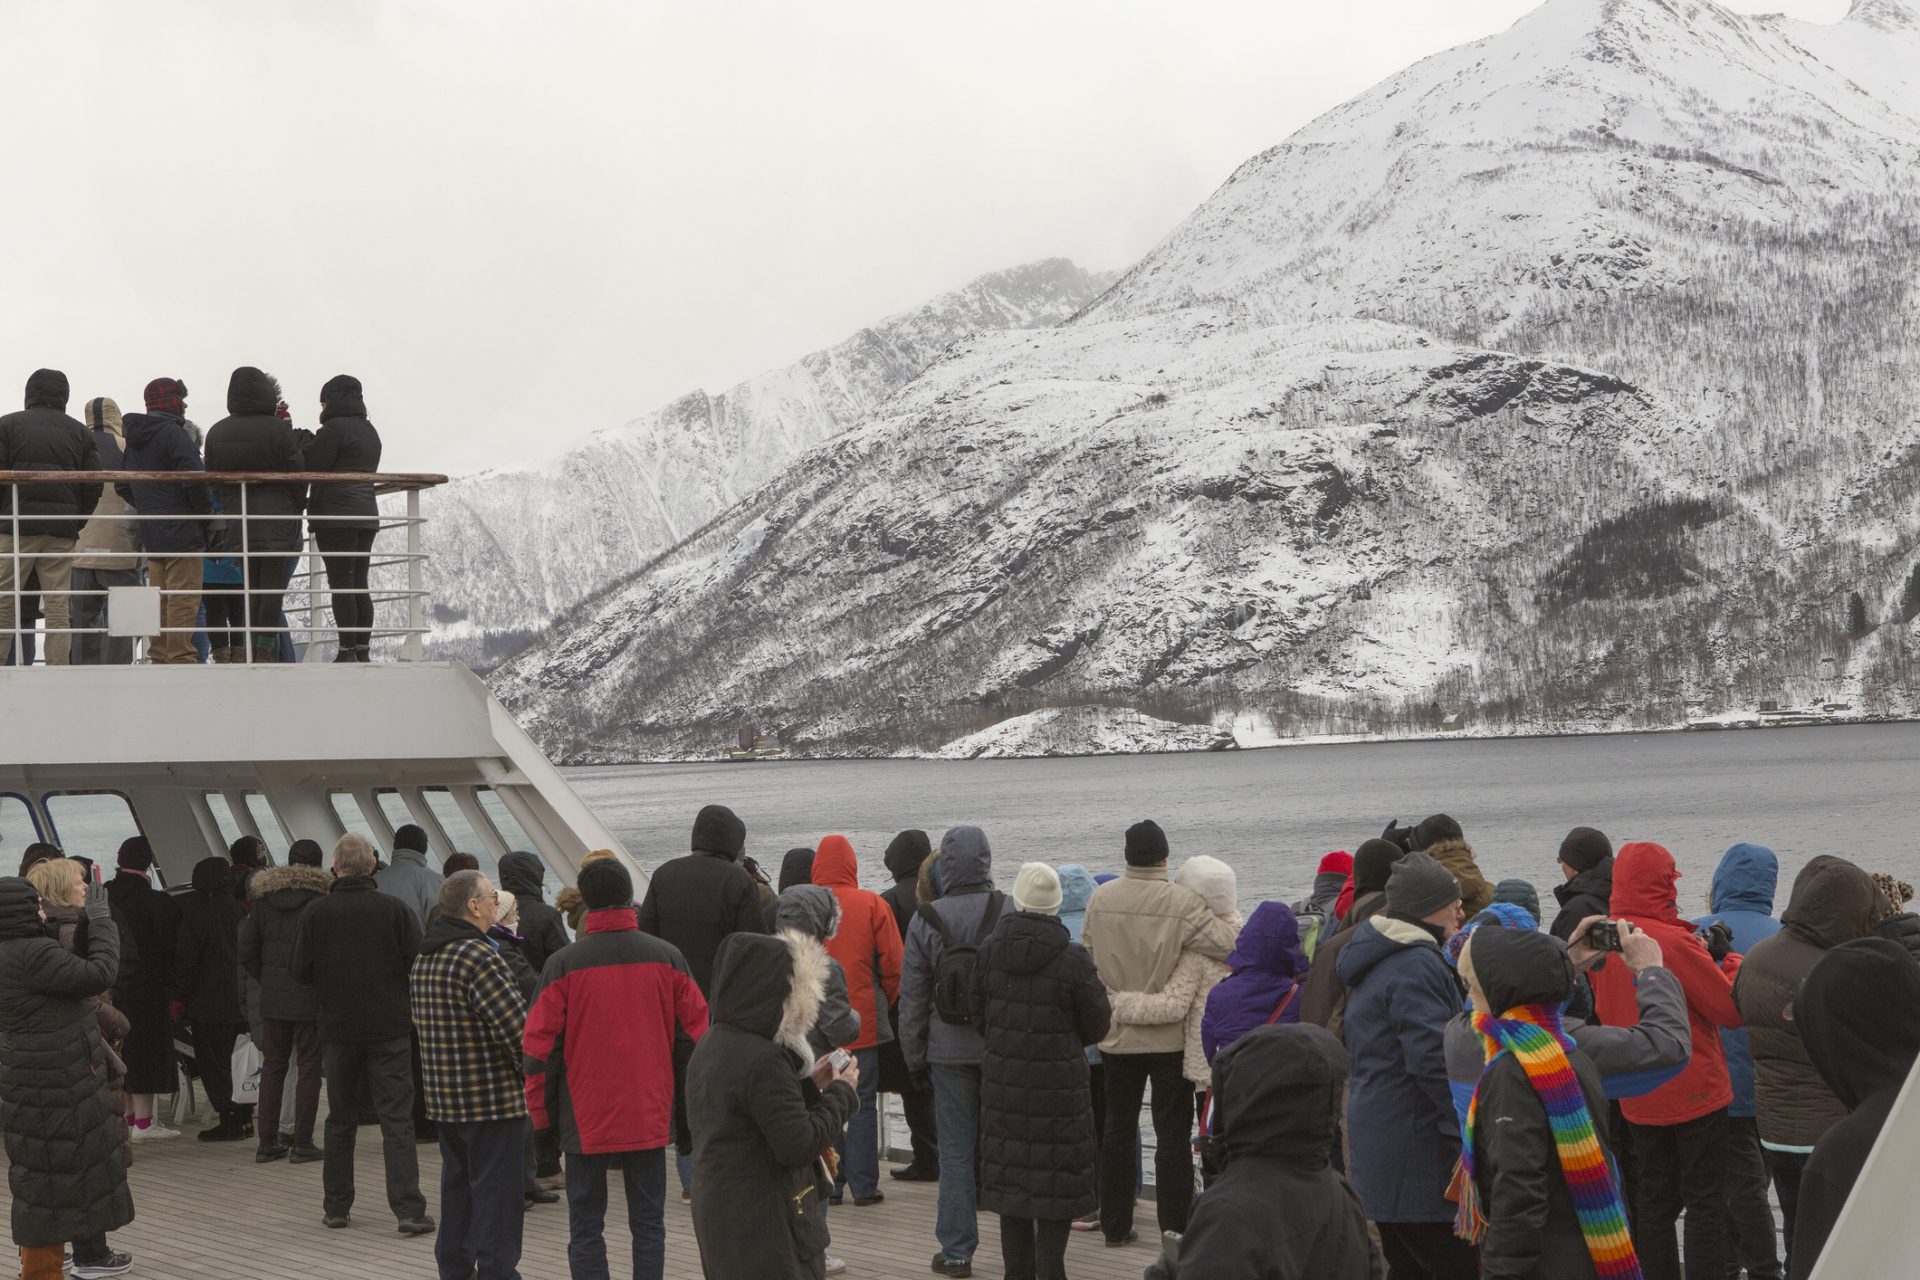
[[355, 947], [206, 972], [251, 438], [542, 932], [66, 1158], [1038, 1002], [759, 1125], [346, 441], [43, 438], [152, 920], [695, 902], [280, 894]]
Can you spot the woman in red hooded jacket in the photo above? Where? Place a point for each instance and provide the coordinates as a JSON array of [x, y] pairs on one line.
[[867, 946], [1680, 1129]]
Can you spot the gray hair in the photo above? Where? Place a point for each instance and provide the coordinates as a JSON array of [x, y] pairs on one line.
[[354, 855], [461, 888]]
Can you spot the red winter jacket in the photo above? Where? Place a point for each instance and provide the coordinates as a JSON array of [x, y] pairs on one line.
[[868, 943], [1644, 893], [599, 1040]]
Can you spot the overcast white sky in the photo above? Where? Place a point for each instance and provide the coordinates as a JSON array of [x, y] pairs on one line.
[[518, 223]]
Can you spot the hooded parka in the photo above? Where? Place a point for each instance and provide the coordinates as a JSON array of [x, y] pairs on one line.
[[1833, 902], [252, 438], [1401, 1125], [1644, 893], [867, 945], [1742, 899], [267, 935], [810, 912], [152, 922], [346, 441], [542, 931], [160, 442], [66, 1158], [1278, 1208], [965, 877], [42, 437], [1262, 985], [1038, 1003], [759, 1124]]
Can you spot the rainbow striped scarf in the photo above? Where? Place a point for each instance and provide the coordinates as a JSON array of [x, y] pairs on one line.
[[1531, 1033]]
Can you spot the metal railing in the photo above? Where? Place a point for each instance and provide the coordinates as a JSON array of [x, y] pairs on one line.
[[20, 565]]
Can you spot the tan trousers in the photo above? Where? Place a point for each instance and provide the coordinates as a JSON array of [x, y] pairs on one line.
[[178, 578], [56, 577]]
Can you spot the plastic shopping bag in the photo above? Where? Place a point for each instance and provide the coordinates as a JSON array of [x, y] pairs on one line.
[[247, 1063]]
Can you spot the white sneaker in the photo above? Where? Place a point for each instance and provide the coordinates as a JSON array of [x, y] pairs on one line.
[[835, 1266], [153, 1133]]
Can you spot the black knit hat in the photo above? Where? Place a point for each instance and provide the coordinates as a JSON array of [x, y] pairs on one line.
[[1585, 848], [1373, 863], [1146, 844], [135, 854], [603, 883], [1419, 886], [1433, 830], [905, 853], [717, 830], [304, 853]]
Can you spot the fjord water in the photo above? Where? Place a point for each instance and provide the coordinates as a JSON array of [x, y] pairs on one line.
[[1847, 790]]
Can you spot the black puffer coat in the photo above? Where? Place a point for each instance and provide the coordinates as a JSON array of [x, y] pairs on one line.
[[152, 920], [346, 441], [66, 1160], [759, 1125], [42, 437], [160, 442], [542, 931], [1588, 894], [251, 438], [1038, 1002], [1278, 1209], [206, 971], [280, 894]]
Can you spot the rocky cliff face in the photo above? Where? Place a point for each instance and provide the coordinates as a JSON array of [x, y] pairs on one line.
[[1559, 381], [511, 548]]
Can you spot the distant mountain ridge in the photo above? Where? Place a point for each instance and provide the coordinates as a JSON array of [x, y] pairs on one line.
[[1559, 381], [512, 548]]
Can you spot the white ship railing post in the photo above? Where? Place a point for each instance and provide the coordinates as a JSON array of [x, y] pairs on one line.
[[415, 647], [14, 648], [313, 600], [247, 583]]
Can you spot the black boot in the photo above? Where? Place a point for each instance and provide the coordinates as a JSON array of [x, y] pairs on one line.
[[232, 1128]]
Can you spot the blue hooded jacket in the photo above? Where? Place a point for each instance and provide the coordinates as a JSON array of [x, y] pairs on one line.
[[1268, 963], [1742, 895], [1076, 891]]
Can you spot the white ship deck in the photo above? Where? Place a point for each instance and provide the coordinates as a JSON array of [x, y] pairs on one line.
[[208, 1212]]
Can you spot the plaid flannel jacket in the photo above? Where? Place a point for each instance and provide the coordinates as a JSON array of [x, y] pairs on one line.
[[470, 1016]]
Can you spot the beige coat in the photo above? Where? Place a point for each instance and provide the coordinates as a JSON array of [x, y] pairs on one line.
[[107, 544], [1457, 857], [1184, 1000], [1137, 928]]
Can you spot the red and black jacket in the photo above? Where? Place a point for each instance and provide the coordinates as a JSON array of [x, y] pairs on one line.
[[599, 1040]]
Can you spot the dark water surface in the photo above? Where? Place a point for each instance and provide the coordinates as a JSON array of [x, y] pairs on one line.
[[1271, 814]]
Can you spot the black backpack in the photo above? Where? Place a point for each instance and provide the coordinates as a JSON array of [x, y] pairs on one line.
[[953, 971]]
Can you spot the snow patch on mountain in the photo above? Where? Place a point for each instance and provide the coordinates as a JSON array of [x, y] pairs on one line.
[[1084, 731]]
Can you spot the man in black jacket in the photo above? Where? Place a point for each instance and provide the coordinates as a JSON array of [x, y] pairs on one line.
[[355, 948], [905, 854], [43, 438], [695, 902], [1586, 864], [252, 437], [289, 1011], [158, 440]]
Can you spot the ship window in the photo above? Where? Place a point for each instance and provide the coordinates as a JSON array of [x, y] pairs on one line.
[[391, 804], [90, 823], [446, 810], [515, 835], [347, 809], [18, 829], [230, 830], [268, 821]]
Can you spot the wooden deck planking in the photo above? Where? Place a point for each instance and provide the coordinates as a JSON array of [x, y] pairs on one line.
[[207, 1212]]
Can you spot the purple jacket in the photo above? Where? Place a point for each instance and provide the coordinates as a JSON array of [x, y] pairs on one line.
[[1266, 962]]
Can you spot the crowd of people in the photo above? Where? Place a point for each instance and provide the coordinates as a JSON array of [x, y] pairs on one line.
[[1403, 1074], [65, 543]]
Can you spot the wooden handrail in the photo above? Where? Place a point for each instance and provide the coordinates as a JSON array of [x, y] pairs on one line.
[[385, 481]]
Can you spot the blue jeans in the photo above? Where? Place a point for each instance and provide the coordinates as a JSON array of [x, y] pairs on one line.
[[645, 1176], [859, 1146], [956, 1114], [482, 1204], [683, 1165]]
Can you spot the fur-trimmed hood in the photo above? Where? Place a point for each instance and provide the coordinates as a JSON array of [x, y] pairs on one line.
[[771, 987], [270, 880]]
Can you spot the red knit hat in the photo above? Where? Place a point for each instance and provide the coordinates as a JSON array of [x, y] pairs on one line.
[[167, 395]]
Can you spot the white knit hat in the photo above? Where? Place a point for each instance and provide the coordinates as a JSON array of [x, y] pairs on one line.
[[1037, 888]]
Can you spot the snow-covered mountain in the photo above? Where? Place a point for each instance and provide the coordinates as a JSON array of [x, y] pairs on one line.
[[1564, 379], [511, 548]]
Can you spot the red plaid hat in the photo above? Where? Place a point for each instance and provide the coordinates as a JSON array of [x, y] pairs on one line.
[[167, 395]]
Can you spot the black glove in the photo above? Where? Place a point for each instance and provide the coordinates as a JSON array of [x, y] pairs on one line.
[[1719, 939], [97, 907]]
